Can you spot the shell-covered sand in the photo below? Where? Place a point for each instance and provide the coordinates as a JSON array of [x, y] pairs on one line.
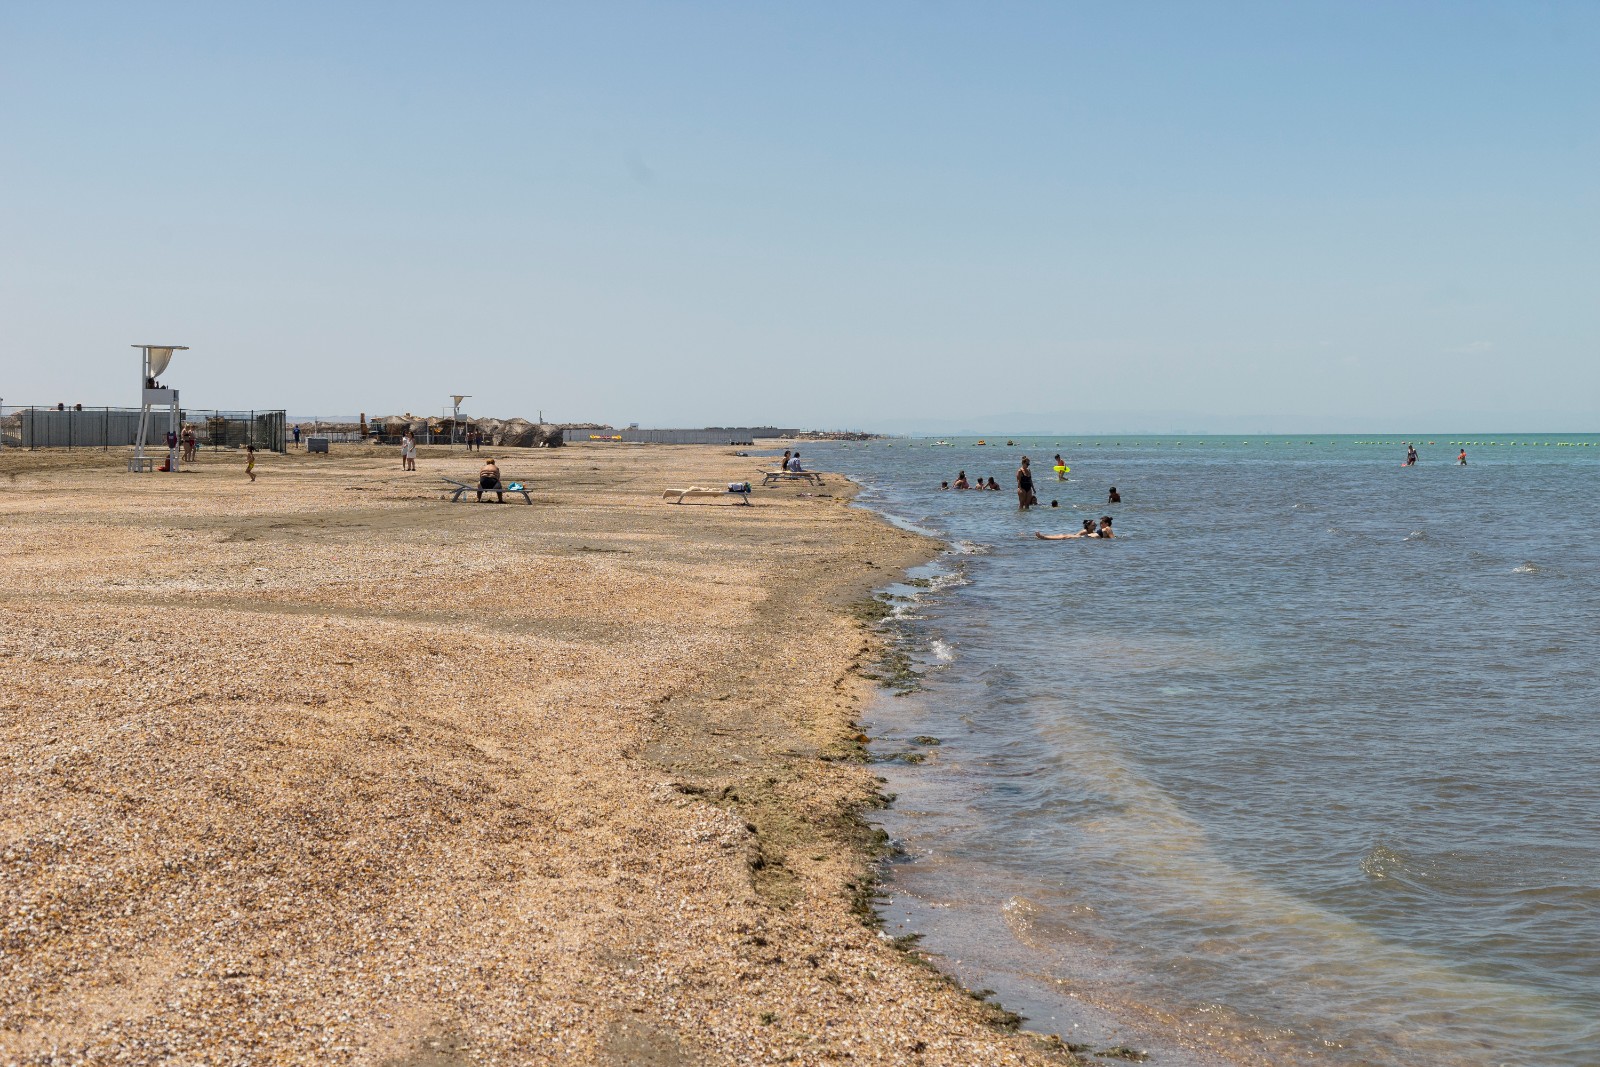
[[324, 769]]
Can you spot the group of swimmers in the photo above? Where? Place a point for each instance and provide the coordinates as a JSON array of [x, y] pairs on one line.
[[1089, 530], [1027, 498], [1410, 456], [962, 483]]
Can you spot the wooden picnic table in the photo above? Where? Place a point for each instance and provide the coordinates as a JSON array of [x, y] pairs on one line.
[[809, 477]]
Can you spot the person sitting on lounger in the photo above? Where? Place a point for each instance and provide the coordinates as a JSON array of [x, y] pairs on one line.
[[489, 479], [794, 464]]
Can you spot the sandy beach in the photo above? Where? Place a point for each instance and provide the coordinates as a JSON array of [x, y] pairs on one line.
[[326, 769]]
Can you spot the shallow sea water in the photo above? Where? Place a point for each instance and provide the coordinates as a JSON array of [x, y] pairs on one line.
[[1304, 766]]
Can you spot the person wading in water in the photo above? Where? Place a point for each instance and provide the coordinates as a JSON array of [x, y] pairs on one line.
[[1025, 497]]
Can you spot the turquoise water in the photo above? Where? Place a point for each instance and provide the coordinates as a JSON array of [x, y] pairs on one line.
[[1302, 767]]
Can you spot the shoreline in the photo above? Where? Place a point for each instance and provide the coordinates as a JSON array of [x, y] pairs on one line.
[[346, 773]]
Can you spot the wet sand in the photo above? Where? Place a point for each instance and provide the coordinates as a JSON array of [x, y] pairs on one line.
[[325, 769]]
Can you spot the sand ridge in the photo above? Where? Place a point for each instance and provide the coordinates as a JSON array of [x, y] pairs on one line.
[[324, 769]]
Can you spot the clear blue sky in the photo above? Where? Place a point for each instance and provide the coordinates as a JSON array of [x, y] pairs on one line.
[[813, 214]]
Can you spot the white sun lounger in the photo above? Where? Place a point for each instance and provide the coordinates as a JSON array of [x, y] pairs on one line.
[[699, 494]]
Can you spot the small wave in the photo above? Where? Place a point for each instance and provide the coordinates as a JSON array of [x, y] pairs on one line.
[[1527, 567], [1416, 535], [1385, 864], [942, 651], [970, 548], [1020, 914]]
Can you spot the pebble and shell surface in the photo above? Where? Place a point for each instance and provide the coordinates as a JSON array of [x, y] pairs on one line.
[[325, 769]]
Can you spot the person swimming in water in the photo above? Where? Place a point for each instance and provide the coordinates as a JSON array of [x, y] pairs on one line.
[[1087, 531], [993, 486], [1061, 468], [1461, 458], [1113, 497], [1105, 527], [1411, 455], [961, 481]]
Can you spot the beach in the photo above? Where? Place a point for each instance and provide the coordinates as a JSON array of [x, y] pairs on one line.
[[326, 769]]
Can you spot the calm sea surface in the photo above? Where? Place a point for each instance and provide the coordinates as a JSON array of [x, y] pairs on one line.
[[1304, 766]]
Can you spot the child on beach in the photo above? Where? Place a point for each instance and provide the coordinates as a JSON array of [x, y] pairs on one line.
[[250, 461], [408, 452]]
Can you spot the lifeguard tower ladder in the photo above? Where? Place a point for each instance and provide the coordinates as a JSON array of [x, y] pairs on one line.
[[152, 395]]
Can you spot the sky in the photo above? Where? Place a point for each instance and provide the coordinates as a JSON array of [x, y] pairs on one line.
[[936, 215]]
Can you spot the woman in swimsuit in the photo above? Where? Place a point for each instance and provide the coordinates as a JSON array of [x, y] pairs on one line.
[[1025, 497]]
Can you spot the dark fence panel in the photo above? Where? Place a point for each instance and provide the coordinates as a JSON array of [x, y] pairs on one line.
[[33, 427]]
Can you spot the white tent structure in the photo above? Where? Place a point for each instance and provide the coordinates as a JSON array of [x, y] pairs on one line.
[[152, 395]]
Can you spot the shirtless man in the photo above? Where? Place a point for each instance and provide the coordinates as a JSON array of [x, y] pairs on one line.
[[489, 478]]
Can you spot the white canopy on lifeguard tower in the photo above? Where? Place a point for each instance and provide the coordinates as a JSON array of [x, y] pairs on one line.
[[153, 394]]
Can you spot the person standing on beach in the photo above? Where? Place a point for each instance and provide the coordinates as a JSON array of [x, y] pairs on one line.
[[1025, 497], [250, 461], [408, 452], [297, 435]]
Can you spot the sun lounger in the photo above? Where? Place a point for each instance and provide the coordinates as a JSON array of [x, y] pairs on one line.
[[462, 488], [809, 477], [699, 494]]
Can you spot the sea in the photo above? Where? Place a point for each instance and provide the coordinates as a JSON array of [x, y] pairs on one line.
[[1302, 767]]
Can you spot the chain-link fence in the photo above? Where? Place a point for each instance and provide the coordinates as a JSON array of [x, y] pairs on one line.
[[59, 426]]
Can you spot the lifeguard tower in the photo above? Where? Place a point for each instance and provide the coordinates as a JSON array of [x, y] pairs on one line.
[[152, 394]]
